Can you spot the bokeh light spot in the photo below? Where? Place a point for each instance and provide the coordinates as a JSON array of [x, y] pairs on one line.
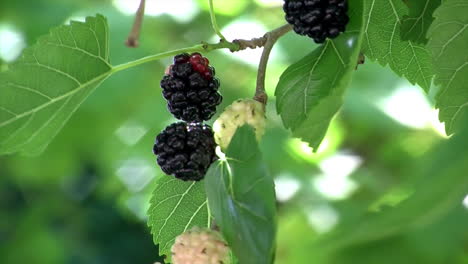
[[409, 106], [270, 3], [130, 133], [322, 218], [334, 183], [182, 11], [225, 7], [286, 187], [11, 43], [246, 29], [136, 173]]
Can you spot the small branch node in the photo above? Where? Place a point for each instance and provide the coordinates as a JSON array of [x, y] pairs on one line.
[[261, 97], [251, 43]]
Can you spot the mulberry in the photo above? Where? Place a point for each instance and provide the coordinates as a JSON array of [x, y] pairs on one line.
[[317, 19], [191, 89], [200, 246], [185, 150], [241, 112]]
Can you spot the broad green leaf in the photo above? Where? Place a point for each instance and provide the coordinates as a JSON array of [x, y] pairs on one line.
[[448, 42], [310, 92], [40, 91], [414, 26], [442, 186], [175, 207], [242, 200], [383, 43]]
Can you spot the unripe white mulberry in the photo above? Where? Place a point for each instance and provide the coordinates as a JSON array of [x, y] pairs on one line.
[[239, 113], [200, 246]]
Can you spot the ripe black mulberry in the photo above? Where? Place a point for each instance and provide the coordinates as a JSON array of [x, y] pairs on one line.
[[185, 150], [317, 19], [191, 89]]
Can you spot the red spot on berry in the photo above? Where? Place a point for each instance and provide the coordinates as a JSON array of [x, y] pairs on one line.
[[195, 57], [200, 68], [201, 64]]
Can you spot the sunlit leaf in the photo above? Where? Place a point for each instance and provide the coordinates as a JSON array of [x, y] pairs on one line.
[[242, 200], [383, 43], [310, 92], [175, 207], [448, 41], [48, 83]]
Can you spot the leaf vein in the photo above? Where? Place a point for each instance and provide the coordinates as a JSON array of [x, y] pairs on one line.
[[45, 124], [54, 70], [173, 210], [79, 49], [18, 130], [8, 111], [58, 98], [29, 89]]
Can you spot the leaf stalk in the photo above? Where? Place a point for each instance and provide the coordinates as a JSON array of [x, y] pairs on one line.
[[214, 23]]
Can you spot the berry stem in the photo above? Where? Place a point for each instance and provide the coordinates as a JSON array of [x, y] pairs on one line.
[[271, 38], [214, 23], [268, 39], [204, 47], [134, 35]]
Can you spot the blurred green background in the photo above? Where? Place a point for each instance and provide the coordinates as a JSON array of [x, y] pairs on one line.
[[84, 200]]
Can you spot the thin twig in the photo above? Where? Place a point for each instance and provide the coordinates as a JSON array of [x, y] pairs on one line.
[[271, 38], [133, 37], [214, 23], [236, 45]]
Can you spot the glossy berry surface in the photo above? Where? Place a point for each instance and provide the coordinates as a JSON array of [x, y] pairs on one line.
[[190, 88], [317, 19], [185, 150]]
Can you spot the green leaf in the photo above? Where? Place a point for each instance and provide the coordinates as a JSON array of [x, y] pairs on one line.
[[442, 186], [242, 200], [414, 26], [448, 42], [383, 43], [310, 92], [175, 207], [47, 84]]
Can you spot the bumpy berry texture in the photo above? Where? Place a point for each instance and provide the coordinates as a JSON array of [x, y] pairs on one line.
[[190, 88], [239, 113], [200, 246], [185, 150], [317, 19]]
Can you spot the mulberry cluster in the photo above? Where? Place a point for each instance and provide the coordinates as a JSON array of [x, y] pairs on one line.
[[318, 19], [185, 150], [190, 88], [200, 246]]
